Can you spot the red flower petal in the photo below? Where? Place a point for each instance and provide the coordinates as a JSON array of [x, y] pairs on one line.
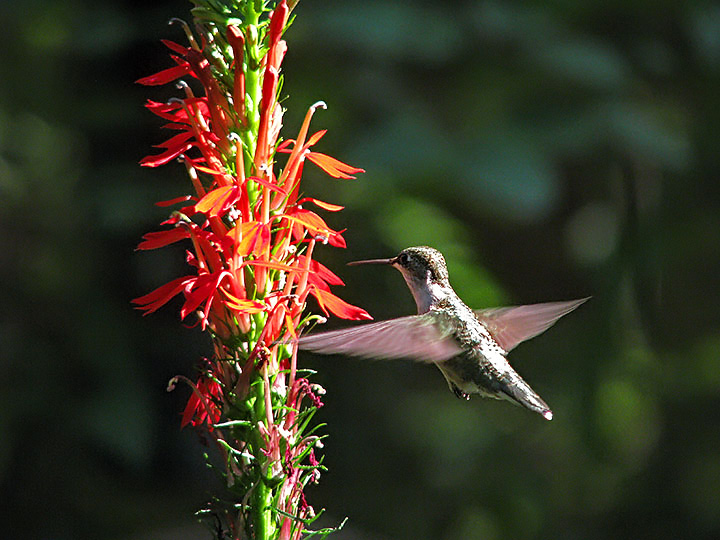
[[154, 240], [336, 239], [315, 137], [176, 200], [269, 185], [190, 408], [201, 290], [202, 404], [218, 201], [162, 159], [242, 305], [320, 273], [283, 146], [162, 295], [315, 225], [176, 140], [332, 166], [310, 220], [274, 265], [174, 111], [325, 206], [290, 325], [255, 239], [165, 76], [324, 273], [180, 49], [206, 170], [339, 307]]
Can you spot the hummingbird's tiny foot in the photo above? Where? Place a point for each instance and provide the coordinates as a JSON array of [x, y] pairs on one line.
[[547, 415]]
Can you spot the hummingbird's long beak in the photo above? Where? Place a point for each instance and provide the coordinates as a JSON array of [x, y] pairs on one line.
[[373, 261]]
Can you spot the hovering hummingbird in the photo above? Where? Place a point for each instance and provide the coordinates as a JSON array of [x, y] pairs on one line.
[[469, 347]]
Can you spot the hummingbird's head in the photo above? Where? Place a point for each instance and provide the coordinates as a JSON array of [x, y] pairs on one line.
[[425, 273], [423, 264]]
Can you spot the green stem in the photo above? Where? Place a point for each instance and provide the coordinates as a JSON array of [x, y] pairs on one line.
[[263, 519], [262, 512]]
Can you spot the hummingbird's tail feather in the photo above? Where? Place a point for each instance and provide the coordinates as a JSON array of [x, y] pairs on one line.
[[519, 391]]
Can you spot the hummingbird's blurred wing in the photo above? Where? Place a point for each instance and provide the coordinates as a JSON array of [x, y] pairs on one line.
[[418, 337], [513, 325]]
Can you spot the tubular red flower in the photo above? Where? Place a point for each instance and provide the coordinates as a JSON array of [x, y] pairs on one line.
[[237, 42], [202, 407]]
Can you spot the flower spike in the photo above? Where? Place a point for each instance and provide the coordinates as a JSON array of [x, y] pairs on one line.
[[250, 251]]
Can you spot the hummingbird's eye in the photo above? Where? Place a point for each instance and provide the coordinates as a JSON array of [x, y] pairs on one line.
[[404, 258]]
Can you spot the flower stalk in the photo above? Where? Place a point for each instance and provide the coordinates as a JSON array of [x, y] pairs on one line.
[[251, 242]]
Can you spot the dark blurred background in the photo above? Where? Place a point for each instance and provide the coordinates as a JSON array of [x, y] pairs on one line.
[[552, 150]]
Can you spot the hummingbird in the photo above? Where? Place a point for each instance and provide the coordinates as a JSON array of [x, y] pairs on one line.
[[468, 346]]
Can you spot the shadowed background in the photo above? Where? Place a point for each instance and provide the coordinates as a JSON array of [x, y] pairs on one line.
[[551, 150]]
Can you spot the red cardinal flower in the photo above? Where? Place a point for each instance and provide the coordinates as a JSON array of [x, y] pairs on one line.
[[204, 404], [250, 242]]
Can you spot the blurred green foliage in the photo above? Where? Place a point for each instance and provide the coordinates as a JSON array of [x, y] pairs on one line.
[[551, 150]]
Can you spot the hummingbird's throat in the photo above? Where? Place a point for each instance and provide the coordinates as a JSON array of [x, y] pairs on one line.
[[426, 292]]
